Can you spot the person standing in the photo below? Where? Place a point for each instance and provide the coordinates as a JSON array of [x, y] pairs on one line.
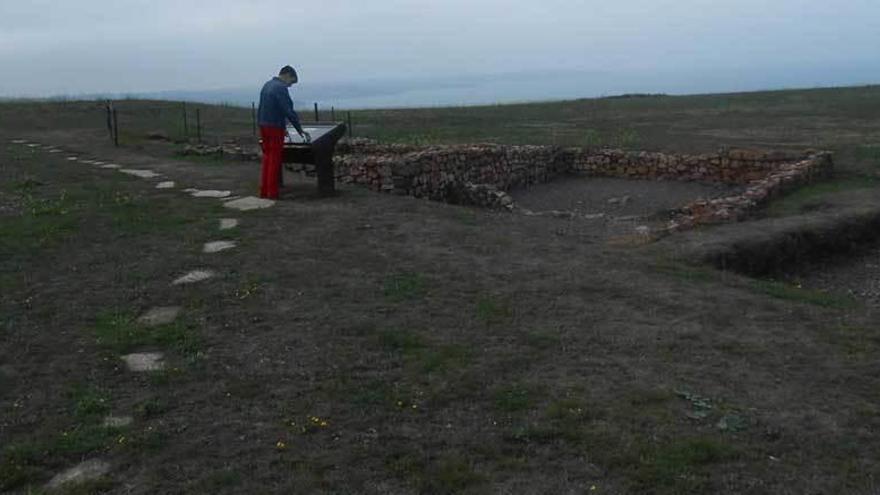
[[276, 109]]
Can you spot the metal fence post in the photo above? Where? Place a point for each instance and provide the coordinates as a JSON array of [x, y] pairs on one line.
[[115, 129], [254, 117], [316, 111], [199, 125], [185, 125]]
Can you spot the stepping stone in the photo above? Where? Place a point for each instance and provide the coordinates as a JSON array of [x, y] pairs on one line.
[[249, 203], [117, 421], [72, 158], [190, 190], [194, 277], [165, 185], [19, 141], [228, 223], [55, 151], [143, 174], [82, 472], [160, 316], [217, 246], [111, 165], [144, 361], [230, 198], [34, 145], [211, 194], [87, 162], [95, 162]]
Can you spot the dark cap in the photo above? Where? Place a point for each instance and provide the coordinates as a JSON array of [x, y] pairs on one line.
[[287, 70]]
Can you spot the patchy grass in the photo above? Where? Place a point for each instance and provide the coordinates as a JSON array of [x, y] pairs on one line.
[[404, 286], [681, 465], [810, 197], [119, 332], [451, 473], [854, 341], [492, 310], [788, 292], [90, 402], [514, 398]]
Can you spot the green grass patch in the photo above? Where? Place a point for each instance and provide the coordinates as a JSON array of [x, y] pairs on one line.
[[89, 401], [788, 292], [686, 272], [492, 310], [682, 465], [402, 341], [514, 398], [404, 286], [451, 473], [151, 408], [43, 223]]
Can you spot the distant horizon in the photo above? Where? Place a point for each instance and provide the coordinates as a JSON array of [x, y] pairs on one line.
[[473, 90]]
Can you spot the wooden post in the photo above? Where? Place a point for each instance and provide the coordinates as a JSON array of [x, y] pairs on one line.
[[185, 124], [115, 129], [316, 111], [333, 114], [198, 125], [254, 117], [350, 131]]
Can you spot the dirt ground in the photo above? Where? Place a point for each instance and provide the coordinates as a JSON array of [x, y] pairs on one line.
[[615, 197], [378, 344]]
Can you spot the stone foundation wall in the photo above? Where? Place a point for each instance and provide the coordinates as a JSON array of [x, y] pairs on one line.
[[481, 174]]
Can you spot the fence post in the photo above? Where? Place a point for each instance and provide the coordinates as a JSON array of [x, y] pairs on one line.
[[254, 117], [185, 124], [115, 128], [109, 119], [316, 111], [333, 114], [350, 130], [198, 125]]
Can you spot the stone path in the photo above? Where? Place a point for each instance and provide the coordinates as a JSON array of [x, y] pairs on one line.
[[194, 277], [84, 471], [140, 362], [228, 223], [249, 203], [117, 421], [162, 315], [152, 361], [217, 246], [143, 174]]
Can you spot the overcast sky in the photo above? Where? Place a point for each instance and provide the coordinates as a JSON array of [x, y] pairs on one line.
[[89, 46]]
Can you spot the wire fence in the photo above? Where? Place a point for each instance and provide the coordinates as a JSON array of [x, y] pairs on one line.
[[132, 121]]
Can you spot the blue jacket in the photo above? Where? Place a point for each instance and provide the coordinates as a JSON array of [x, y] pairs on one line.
[[276, 107]]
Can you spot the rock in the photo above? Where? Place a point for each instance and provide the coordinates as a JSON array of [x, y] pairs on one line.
[[160, 316], [211, 194], [144, 361], [249, 203], [194, 277], [117, 421], [218, 246], [143, 174], [82, 472], [166, 185], [228, 223], [112, 166]]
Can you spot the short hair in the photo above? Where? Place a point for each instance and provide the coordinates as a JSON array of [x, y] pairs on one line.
[[287, 70]]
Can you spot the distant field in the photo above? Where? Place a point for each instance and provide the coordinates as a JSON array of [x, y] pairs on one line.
[[844, 120]]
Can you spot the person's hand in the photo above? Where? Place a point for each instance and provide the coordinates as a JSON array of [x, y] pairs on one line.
[[306, 137]]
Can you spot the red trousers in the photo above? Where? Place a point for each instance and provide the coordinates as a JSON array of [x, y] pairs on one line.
[[273, 147]]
